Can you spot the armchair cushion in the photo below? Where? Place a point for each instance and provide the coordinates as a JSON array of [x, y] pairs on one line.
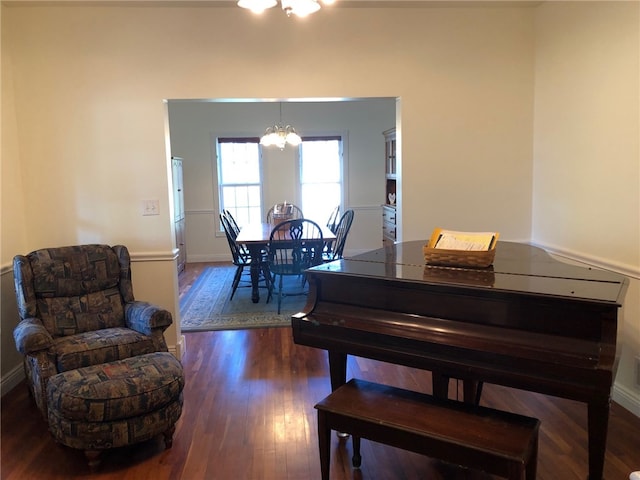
[[82, 313], [100, 346]]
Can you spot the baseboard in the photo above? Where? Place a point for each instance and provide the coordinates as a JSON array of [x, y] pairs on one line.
[[11, 380], [626, 398], [626, 269], [180, 348], [213, 257]]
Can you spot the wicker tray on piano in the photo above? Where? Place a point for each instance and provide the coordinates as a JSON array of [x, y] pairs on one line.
[[457, 258]]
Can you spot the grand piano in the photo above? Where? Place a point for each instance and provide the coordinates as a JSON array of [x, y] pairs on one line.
[[529, 321]]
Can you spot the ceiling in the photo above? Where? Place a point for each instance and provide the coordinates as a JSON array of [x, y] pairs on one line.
[[338, 3]]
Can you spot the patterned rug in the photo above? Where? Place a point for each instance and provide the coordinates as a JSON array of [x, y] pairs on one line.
[[206, 305]]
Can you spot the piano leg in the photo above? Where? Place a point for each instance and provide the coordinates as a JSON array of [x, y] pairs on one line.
[[598, 425], [338, 374], [440, 385], [472, 391], [337, 369]]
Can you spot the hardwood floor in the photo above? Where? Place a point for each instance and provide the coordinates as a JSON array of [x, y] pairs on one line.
[[248, 414]]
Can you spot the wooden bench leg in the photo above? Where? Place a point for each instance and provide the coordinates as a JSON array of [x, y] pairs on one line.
[[356, 460], [324, 443], [533, 462]]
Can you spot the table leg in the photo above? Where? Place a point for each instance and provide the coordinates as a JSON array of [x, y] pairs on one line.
[[256, 255]]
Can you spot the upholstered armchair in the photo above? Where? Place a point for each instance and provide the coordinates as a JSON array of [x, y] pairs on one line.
[[77, 309]]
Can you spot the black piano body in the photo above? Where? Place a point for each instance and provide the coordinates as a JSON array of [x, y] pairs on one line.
[[529, 321]]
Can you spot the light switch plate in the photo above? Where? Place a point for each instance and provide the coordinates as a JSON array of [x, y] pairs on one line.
[[150, 207]]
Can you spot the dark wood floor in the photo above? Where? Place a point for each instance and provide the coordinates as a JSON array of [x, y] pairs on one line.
[[248, 414]]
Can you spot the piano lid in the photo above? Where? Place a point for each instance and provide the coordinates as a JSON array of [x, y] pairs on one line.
[[517, 268]]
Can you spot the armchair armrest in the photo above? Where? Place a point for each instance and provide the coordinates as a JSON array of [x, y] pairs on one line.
[[31, 336], [145, 317]]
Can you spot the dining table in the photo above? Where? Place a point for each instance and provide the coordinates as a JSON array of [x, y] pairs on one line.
[[255, 236]]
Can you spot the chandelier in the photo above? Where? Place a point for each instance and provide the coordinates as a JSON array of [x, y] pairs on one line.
[[280, 135], [301, 8]]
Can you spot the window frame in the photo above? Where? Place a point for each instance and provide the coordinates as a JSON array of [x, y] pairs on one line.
[[220, 185], [342, 142]]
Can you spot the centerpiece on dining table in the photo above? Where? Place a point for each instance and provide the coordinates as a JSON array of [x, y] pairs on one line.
[[282, 211]]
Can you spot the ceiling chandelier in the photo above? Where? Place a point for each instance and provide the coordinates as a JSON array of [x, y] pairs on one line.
[[280, 135], [301, 8]]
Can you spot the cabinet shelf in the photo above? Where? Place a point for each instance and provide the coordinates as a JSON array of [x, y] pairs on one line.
[[390, 152], [390, 193], [390, 162]]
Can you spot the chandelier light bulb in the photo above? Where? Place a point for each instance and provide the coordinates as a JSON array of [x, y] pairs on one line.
[[292, 137], [257, 6], [299, 8]]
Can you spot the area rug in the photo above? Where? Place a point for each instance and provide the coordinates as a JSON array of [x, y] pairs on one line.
[[207, 305]]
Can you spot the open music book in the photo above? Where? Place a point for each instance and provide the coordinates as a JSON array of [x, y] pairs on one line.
[[476, 241]]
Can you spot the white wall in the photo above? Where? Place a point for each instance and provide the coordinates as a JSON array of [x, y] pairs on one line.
[[194, 126], [83, 118], [586, 186]]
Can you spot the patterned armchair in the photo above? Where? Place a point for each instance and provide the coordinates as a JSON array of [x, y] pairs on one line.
[[77, 309]]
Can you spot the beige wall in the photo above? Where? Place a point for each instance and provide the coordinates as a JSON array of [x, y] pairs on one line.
[[586, 129], [84, 119], [586, 195]]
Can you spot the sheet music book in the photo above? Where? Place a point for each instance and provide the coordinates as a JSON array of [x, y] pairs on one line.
[[468, 241]]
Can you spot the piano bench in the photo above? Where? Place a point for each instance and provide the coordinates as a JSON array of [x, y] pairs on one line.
[[496, 442]]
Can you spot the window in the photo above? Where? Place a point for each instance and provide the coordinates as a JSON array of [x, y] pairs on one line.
[[320, 176], [240, 178]]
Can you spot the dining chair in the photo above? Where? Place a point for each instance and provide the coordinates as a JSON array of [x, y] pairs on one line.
[[294, 245], [241, 257], [232, 221], [283, 211], [332, 222], [342, 230], [234, 230]]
